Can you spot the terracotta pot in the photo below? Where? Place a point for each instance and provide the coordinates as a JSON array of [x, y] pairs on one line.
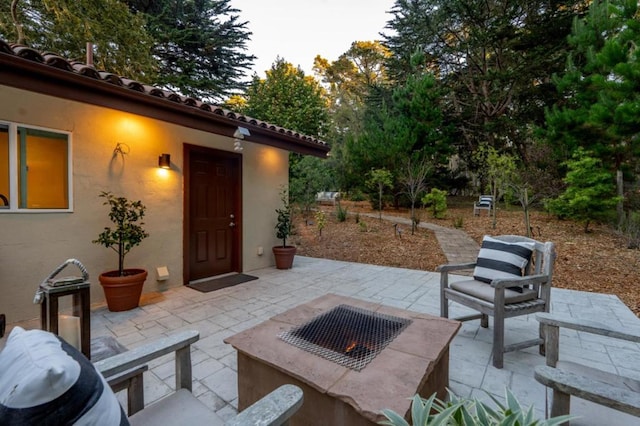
[[123, 293], [284, 256]]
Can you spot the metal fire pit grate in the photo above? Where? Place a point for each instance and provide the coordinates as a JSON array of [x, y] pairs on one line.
[[347, 335]]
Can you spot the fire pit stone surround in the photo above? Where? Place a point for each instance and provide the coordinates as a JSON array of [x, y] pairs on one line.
[[415, 361]]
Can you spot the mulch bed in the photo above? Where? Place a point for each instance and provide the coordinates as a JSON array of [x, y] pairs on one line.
[[597, 261]]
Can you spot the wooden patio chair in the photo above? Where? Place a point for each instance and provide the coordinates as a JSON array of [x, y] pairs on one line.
[[485, 202], [511, 277], [568, 378], [52, 382]]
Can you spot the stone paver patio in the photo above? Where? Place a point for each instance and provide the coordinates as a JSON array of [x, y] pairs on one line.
[[217, 315]]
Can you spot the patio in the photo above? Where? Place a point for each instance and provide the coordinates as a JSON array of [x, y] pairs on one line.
[[217, 315]]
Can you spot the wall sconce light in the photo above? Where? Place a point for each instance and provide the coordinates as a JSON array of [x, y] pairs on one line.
[[164, 161]]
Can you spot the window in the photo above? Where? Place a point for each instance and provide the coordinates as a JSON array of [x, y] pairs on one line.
[[35, 169]]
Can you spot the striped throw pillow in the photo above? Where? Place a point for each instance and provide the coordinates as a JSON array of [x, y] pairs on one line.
[[46, 381], [500, 259]]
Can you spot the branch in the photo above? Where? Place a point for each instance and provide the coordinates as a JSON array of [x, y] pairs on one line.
[[18, 25]]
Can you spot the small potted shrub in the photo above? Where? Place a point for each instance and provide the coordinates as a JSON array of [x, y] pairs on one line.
[[284, 254], [122, 287]]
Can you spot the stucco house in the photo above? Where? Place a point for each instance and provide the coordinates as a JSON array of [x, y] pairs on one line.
[[69, 132]]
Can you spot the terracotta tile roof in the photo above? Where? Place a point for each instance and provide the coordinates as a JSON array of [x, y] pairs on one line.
[[80, 69]]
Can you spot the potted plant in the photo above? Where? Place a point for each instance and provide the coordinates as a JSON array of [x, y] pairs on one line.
[[122, 287], [284, 254]]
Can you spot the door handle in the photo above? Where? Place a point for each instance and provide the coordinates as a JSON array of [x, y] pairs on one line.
[[232, 224]]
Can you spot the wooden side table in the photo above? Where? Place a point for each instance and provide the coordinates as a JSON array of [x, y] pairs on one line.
[[81, 304]]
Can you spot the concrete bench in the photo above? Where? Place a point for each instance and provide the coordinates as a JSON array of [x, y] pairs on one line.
[[182, 407], [568, 379]]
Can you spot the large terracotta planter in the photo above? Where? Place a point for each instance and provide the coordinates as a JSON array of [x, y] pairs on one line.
[[123, 292], [284, 256]]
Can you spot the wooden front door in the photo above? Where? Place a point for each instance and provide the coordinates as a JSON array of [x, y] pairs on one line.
[[213, 202]]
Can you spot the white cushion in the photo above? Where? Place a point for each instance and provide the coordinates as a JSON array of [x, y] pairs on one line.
[[44, 380], [500, 259]]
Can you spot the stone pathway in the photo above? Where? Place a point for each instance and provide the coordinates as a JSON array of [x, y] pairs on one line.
[[456, 245]]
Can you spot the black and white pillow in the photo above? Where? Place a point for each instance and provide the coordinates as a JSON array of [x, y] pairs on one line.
[[46, 381], [500, 259]]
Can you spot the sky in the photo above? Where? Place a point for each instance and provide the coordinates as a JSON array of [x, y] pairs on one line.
[[298, 30]]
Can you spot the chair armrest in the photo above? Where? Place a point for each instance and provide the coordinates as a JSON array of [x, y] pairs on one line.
[[142, 354], [455, 267], [628, 333], [528, 279], [274, 409]]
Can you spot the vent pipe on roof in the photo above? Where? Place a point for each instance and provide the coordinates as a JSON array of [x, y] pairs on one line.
[[89, 53]]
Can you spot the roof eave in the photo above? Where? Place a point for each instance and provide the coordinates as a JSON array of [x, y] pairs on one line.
[[37, 77]]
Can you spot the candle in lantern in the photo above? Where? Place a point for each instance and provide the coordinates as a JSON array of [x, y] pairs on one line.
[[69, 329]]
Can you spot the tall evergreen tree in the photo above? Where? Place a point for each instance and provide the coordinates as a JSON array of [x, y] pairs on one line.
[[121, 43], [200, 45], [601, 88], [495, 57]]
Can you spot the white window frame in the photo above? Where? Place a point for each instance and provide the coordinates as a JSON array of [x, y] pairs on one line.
[[14, 189]]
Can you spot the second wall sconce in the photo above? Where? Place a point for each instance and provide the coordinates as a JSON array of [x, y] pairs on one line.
[[164, 161]]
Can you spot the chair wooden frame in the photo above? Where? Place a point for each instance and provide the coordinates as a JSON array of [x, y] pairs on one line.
[[568, 378], [539, 278], [481, 204], [274, 409]]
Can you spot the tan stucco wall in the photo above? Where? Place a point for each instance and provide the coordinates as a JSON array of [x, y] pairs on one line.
[[33, 244]]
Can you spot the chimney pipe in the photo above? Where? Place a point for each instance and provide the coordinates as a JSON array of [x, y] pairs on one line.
[[89, 53]]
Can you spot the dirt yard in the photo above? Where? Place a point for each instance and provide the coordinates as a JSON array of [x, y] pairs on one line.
[[597, 261]]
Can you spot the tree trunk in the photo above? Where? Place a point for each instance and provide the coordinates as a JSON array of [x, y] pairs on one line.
[[620, 207], [525, 206]]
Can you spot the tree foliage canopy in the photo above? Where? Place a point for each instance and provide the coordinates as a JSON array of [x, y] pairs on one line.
[[200, 46], [121, 43]]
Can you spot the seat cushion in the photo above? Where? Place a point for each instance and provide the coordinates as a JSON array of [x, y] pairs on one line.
[[46, 381], [500, 259], [179, 408], [484, 291]]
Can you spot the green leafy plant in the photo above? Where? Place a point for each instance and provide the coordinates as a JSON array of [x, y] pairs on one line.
[[341, 213], [437, 201], [380, 179], [128, 232], [469, 412], [284, 223], [321, 221], [458, 222], [590, 193]]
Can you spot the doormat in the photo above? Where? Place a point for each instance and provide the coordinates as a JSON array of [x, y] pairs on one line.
[[218, 283]]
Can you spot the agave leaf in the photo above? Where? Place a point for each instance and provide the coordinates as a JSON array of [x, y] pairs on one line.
[[483, 415], [498, 403], [395, 419], [443, 417], [512, 401], [554, 421], [420, 410]]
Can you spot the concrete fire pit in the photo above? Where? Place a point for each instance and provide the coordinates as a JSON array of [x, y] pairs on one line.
[[416, 361]]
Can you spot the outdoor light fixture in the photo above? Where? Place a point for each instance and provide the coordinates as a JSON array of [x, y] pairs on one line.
[[164, 161], [241, 132], [238, 135]]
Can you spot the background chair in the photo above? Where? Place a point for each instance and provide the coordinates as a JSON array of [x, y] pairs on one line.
[[505, 284], [485, 202]]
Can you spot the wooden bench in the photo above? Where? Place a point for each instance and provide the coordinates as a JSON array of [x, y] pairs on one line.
[[327, 197], [182, 407], [570, 378]]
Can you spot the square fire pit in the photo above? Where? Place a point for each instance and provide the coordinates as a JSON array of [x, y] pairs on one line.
[[347, 377]]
